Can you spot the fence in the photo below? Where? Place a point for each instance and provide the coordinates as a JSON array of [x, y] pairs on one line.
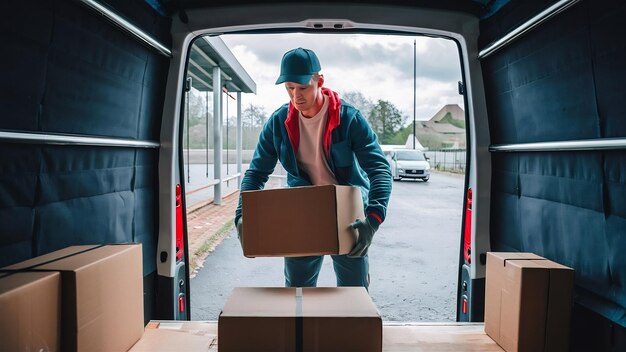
[[200, 181], [452, 160]]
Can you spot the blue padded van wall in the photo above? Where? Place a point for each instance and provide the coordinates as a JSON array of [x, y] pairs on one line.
[[65, 69], [562, 81]]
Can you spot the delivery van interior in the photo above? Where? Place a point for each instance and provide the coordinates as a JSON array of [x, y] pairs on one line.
[[91, 171]]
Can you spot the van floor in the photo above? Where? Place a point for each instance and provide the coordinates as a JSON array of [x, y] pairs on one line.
[[397, 337]]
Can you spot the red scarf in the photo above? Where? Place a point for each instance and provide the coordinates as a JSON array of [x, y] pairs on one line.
[[293, 126]]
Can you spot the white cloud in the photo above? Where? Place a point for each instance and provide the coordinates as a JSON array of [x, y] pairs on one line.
[[388, 42], [379, 66]]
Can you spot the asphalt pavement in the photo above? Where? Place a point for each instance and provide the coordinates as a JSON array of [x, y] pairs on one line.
[[413, 259]]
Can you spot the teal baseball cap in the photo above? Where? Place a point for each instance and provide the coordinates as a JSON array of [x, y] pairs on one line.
[[298, 65]]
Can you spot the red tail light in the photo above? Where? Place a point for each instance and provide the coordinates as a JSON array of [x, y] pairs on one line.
[[179, 224], [181, 303], [467, 233]]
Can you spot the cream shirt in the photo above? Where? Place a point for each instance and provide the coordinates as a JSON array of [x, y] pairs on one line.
[[311, 157]]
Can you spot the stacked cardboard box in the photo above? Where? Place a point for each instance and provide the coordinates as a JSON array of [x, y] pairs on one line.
[[527, 302], [300, 319], [300, 221], [101, 294], [29, 311]]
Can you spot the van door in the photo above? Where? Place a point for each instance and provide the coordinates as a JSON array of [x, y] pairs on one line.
[[556, 114], [80, 130]]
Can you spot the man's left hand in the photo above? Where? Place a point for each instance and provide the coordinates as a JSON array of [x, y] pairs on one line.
[[366, 229]]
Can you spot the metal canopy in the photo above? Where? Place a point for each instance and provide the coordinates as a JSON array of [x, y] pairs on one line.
[[209, 52]]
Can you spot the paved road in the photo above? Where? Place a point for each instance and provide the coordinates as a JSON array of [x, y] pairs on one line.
[[413, 260]]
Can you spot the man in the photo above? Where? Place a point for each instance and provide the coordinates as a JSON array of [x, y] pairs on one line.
[[320, 140]]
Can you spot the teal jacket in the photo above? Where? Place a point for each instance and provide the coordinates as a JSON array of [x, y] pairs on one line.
[[352, 151]]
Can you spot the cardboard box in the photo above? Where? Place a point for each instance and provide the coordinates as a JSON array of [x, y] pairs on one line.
[[30, 314], [176, 335], [300, 221], [300, 319], [102, 295], [527, 302]]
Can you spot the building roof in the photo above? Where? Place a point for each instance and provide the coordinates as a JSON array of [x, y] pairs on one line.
[[453, 109], [444, 128]]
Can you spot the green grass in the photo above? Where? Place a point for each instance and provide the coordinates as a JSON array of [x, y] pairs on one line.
[[211, 242], [206, 246]]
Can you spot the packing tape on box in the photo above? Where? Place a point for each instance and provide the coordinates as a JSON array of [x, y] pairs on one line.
[[299, 321], [35, 267]]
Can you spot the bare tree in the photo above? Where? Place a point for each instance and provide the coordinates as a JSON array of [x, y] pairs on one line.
[[253, 116], [365, 105]]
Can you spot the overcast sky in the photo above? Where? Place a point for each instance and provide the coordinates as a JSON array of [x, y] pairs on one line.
[[378, 66]]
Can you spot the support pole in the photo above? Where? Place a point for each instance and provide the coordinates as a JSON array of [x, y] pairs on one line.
[[239, 138], [206, 123], [217, 134], [414, 89]]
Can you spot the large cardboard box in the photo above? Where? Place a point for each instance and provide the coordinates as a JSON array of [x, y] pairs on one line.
[[299, 319], [30, 314], [528, 302], [102, 295], [300, 221]]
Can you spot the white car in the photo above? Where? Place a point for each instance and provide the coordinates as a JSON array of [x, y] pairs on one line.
[[408, 163]]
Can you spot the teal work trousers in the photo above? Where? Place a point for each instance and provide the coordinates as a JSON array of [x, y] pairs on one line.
[[304, 271]]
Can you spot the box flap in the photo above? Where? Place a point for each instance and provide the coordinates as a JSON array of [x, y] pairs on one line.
[[258, 318], [24, 280], [174, 340], [525, 264], [349, 208], [88, 258], [56, 255], [260, 302], [513, 255], [553, 265], [337, 302]]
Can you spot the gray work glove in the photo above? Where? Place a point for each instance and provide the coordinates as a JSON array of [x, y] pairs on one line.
[[240, 230], [366, 229]]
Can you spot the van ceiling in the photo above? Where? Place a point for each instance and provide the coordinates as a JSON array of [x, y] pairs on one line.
[[480, 8]]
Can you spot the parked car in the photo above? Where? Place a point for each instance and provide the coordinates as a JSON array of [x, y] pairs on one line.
[[409, 163]]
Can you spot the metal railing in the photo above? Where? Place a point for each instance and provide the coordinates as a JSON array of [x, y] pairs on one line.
[[212, 183], [199, 186], [526, 27], [575, 145], [127, 26], [73, 139]]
